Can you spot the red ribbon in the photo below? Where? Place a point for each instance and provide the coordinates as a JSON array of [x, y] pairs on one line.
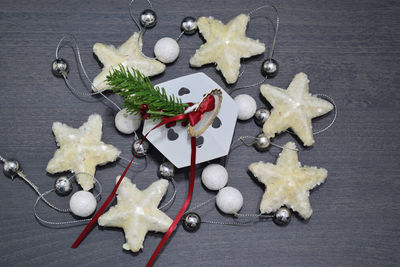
[[194, 117]]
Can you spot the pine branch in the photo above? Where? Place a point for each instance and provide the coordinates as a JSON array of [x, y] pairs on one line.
[[141, 97]]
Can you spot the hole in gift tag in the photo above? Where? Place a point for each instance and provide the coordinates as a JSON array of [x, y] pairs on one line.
[[216, 123], [172, 135], [183, 91], [199, 141]]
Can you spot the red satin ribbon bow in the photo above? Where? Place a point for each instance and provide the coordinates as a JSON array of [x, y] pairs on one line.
[[194, 117]]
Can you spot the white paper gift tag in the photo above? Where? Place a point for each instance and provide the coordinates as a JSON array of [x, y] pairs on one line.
[[174, 142]]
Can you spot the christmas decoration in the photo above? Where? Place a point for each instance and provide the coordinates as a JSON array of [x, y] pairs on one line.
[[63, 186], [293, 108], [287, 182], [247, 106], [166, 50], [81, 150], [214, 177], [82, 203], [136, 212], [225, 45], [127, 123], [129, 54], [229, 200]]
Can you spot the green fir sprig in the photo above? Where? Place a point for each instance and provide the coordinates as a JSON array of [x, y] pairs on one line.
[[141, 97]]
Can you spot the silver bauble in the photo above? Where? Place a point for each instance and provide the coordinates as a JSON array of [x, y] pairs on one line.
[[63, 186], [269, 68], [140, 149], [11, 168], [282, 216], [148, 18], [59, 67], [262, 142], [166, 169], [189, 25], [261, 116], [191, 222]]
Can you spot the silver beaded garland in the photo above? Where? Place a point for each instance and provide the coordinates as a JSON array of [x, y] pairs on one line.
[[191, 222], [262, 142], [148, 18], [282, 216], [140, 149], [166, 169], [63, 186], [269, 68], [261, 116], [11, 168], [189, 25], [59, 67]]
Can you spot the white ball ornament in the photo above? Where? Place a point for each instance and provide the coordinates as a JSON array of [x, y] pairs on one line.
[[214, 177], [166, 50], [229, 200], [127, 123], [247, 106], [82, 203]]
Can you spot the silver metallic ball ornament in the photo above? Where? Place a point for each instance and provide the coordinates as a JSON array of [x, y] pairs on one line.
[[166, 169], [261, 116], [262, 142], [148, 18], [189, 25], [63, 186], [11, 168], [282, 216], [59, 67], [191, 222], [270, 68], [140, 149]]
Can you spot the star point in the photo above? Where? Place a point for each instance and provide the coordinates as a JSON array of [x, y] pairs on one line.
[[293, 108], [81, 150], [225, 45], [136, 212], [129, 54], [287, 182]]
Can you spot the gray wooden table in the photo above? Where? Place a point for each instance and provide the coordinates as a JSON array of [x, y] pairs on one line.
[[349, 49]]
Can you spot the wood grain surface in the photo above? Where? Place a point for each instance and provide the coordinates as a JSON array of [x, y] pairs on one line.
[[349, 49]]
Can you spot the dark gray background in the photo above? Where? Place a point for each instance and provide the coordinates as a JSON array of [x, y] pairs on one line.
[[349, 49]]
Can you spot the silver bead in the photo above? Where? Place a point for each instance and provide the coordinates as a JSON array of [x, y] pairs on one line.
[[11, 168], [191, 222], [262, 142], [261, 116], [140, 149], [166, 169], [59, 67], [269, 68], [189, 25], [148, 18], [63, 186], [282, 216]]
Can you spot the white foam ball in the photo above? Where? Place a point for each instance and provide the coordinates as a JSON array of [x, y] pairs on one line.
[[166, 50], [247, 106], [127, 123], [214, 177], [82, 203], [229, 200]]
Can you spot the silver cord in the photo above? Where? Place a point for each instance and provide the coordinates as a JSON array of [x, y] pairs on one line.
[[242, 138], [200, 205], [179, 36], [173, 195], [333, 119], [78, 54], [133, 17], [271, 51]]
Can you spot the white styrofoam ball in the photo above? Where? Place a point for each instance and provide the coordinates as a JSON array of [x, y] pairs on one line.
[[82, 203], [229, 200], [166, 50], [127, 123], [247, 106], [214, 177]]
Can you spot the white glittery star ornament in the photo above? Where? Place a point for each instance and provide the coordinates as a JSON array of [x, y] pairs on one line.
[[136, 212], [225, 45], [81, 150], [129, 54], [287, 183], [293, 108]]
